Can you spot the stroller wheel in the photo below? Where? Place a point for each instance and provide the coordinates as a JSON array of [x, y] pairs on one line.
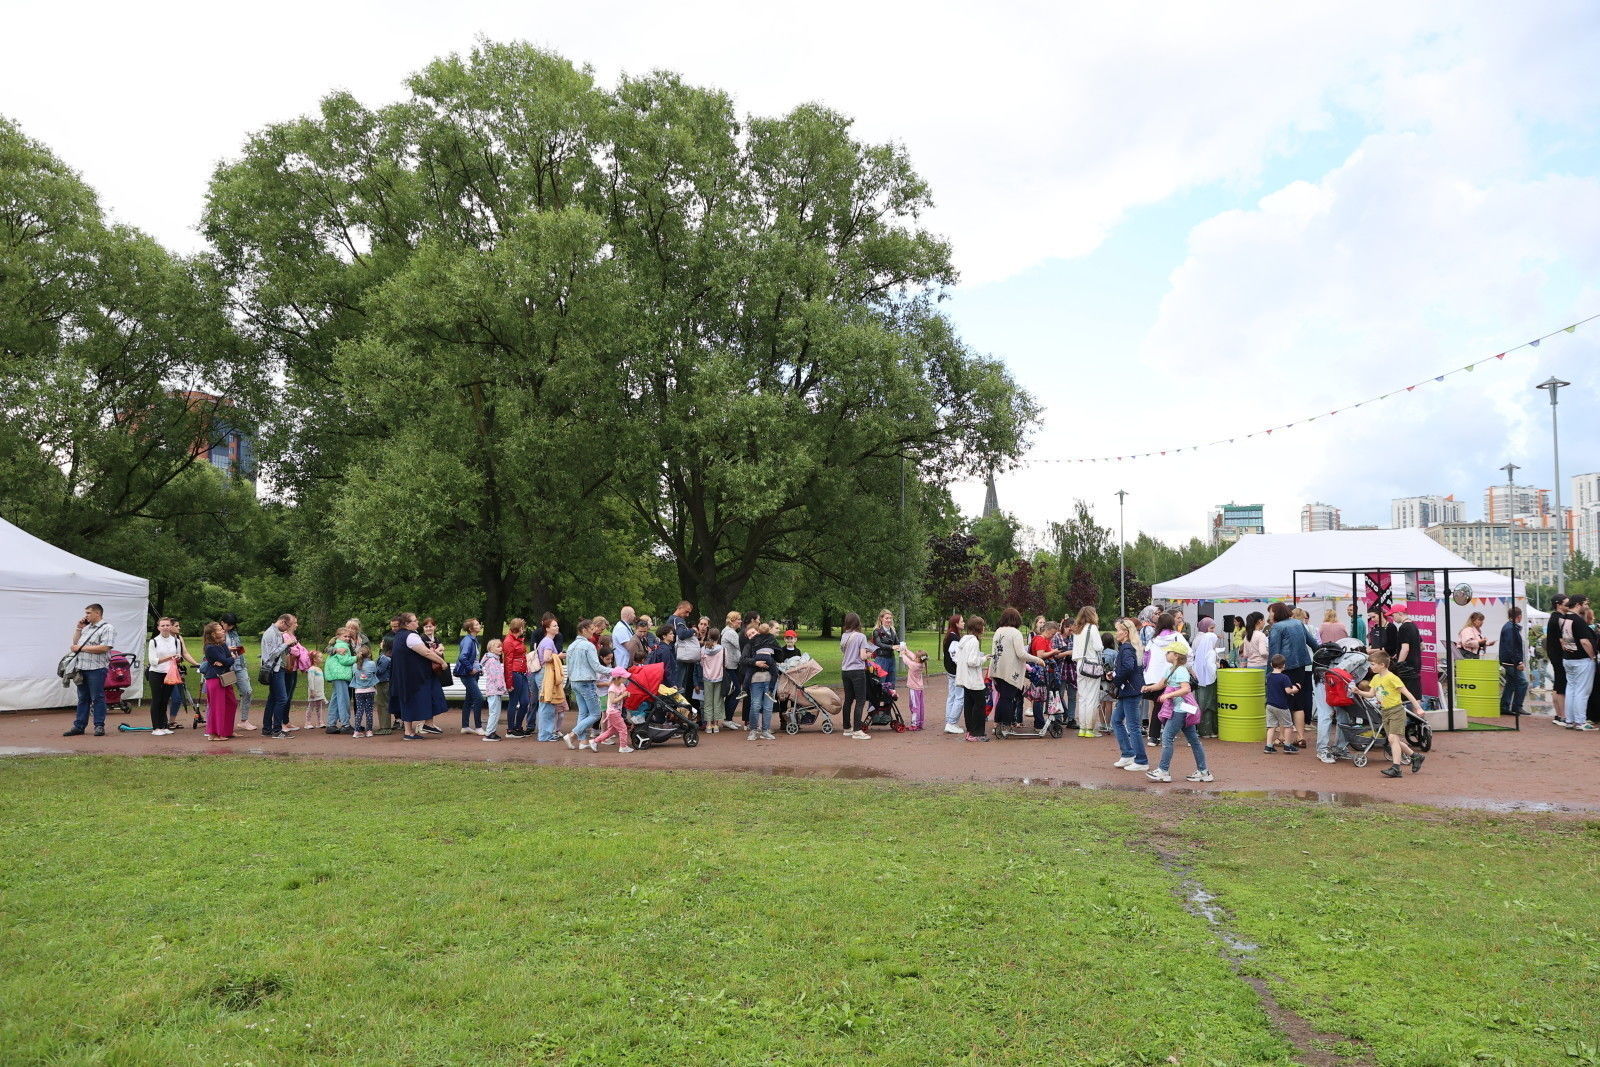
[[1419, 736], [827, 726], [790, 726], [1361, 760], [691, 737], [1054, 729]]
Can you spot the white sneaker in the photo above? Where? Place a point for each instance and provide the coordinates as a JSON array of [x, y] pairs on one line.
[[1122, 762], [751, 736], [766, 735], [950, 729], [159, 733], [1325, 758], [468, 730], [1158, 775], [570, 743], [624, 749], [861, 735], [1199, 776], [1136, 767]]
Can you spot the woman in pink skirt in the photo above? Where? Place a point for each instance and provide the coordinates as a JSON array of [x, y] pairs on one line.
[[221, 701]]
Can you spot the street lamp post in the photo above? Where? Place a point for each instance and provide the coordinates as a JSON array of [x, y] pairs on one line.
[[1122, 564], [1511, 535], [1555, 385]]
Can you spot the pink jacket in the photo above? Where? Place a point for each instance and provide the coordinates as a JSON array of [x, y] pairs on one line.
[[914, 669]]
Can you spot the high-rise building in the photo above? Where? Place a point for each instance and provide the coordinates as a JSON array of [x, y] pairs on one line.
[[1515, 503], [1315, 518], [1229, 522], [1501, 546], [1423, 511], [224, 447], [1585, 490]]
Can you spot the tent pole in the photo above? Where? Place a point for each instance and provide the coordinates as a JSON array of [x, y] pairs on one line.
[[1523, 633], [1444, 645]]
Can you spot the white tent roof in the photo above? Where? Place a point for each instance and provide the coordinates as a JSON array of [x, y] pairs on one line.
[[43, 590], [1260, 567]]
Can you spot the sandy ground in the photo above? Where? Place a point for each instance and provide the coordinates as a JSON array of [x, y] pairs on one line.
[[1540, 768]]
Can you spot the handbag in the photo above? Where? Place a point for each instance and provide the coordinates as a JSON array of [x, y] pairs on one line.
[[1090, 666], [687, 649], [228, 679]]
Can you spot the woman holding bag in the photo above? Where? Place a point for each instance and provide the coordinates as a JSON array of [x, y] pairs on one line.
[[163, 656], [216, 667], [1086, 648], [1470, 641]]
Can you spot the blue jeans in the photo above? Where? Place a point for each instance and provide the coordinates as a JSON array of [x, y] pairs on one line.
[[472, 707], [887, 663], [1125, 724], [91, 695], [1169, 733], [760, 704], [952, 702], [1514, 690], [241, 687], [280, 695], [588, 710], [517, 709], [339, 702], [1325, 724], [494, 715], [1580, 681]]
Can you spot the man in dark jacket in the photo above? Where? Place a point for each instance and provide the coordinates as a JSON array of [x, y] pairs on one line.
[[1513, 661]]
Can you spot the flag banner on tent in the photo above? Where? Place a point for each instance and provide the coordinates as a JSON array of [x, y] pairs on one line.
[[1345, 409]]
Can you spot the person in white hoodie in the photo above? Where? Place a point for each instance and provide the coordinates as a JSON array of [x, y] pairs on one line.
[[970, 663], [1086, 648]]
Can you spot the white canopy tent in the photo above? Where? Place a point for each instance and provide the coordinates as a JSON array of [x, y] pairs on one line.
[[43, 591], [1261, 567]]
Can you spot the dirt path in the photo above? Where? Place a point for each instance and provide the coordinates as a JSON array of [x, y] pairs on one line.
[[1539, 768]]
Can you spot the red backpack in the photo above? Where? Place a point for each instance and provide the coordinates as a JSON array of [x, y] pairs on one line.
[[1336, 688]]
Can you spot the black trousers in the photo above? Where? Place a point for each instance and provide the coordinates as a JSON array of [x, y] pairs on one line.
[[1007, 703], [856, 710], [160, 698], [972, 708]]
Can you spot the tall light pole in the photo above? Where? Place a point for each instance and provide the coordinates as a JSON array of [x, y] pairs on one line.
[[1122, 563], [1555, 385], [1511, 470]]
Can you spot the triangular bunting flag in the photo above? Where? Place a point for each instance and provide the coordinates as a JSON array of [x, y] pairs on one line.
[[1501, 356], [1574, 326], [1533, 344]]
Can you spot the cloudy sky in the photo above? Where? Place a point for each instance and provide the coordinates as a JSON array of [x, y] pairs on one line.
[[1175, 221]]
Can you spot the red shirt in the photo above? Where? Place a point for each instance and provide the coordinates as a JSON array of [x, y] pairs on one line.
[[1039, 645]]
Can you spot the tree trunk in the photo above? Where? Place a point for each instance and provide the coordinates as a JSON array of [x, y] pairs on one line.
[[827, 621]]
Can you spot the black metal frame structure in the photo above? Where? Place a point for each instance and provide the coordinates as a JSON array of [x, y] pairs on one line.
[[1447, 678]]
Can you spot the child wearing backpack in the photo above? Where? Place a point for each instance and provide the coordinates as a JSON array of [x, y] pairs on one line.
[[364, 689]]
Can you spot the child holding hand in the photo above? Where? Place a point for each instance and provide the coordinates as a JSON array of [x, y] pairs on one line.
[[616, 725]]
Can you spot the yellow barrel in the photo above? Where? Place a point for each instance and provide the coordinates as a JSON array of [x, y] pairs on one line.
[[1242, 704], [1478, 687]]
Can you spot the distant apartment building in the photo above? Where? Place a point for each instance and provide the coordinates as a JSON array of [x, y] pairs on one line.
[[226, 447], [1516, 503], [1314, 518], [1423, 511], [1586, 514], [1502, 546], [1229, 522]]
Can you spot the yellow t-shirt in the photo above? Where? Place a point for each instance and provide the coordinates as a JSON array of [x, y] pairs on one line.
[[1388, 688]]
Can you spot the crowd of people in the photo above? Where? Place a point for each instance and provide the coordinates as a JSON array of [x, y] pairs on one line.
[[1147, 682]]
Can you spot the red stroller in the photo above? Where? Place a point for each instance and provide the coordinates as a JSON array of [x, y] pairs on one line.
[[120, 672], [657, 713]]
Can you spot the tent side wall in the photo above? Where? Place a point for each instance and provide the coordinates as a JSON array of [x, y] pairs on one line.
[[39, 633]]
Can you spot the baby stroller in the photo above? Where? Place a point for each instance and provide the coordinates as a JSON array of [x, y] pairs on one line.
[[657, 713], [1055, 714], [883, 703], [120, 672], [802, 706], [1339, 666]]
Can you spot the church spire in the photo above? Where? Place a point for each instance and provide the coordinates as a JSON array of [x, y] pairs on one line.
[[991, 499]]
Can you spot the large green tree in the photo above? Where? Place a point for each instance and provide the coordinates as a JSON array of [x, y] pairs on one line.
[[119, 368], [537, 335]]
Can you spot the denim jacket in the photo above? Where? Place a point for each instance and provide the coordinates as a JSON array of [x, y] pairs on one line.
[[1291, 640], [365, 675], [467, 659]]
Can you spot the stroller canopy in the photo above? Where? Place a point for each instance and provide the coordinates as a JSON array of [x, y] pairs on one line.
[[646, 682]]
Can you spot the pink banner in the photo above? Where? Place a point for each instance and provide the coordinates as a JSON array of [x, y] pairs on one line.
[[1422, 613], [1379, 597]]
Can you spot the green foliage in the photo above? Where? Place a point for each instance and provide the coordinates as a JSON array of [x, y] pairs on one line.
[[535, 332], [997, 537]]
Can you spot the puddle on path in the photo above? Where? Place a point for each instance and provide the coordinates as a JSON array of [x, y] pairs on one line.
[[13, 750], [782, 771], [1319, 796]]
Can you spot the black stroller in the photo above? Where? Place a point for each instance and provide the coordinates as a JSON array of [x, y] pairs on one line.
[[657, 713], [883, 703]]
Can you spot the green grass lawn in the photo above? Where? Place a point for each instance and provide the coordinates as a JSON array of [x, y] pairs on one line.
[[211, 910]]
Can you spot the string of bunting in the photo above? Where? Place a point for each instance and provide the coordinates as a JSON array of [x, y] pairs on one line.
[[1326, 414]]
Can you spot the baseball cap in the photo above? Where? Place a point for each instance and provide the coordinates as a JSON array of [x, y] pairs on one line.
[[790, 633]]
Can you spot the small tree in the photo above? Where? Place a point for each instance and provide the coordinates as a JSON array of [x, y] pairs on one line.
[[1082, 590], [1023, 591]]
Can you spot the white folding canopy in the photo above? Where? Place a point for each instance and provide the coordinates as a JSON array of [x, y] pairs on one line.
[[1261, 567], [43, 591]]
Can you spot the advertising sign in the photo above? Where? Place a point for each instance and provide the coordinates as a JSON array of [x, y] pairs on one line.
[[1423, 613]]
